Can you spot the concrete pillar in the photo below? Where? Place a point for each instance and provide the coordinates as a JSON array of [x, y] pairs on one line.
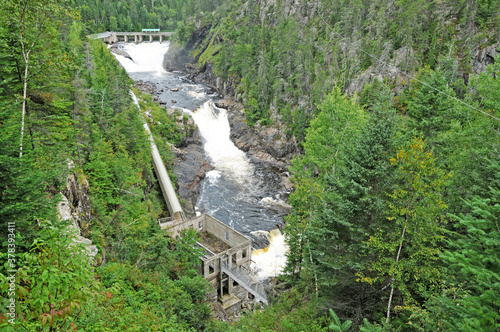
[[150, 38], [141, 38], [161, 39], [125, 39], [135, 39]]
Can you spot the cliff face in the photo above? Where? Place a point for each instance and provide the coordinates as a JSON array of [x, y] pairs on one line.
[[75, 206], [268, 144], [279, 59]]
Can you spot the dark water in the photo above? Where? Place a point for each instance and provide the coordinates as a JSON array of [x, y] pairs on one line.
[[240, 193]]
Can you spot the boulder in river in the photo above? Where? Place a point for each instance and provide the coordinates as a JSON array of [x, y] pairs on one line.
[[261, 239]]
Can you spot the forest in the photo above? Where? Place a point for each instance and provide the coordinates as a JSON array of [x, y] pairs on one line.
[[395, 212]]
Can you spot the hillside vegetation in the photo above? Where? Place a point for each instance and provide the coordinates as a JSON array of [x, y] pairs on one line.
[[395, 106], [394, 220], [66, 101]]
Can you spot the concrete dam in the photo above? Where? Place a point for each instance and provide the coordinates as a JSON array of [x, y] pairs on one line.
[[112, 37]]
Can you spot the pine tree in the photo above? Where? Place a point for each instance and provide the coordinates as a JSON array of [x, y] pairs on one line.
[[470, 301]]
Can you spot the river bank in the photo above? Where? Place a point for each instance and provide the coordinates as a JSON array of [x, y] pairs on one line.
[[222, 167]]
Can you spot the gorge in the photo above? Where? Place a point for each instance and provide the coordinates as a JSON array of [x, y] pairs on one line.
[[243, 194]]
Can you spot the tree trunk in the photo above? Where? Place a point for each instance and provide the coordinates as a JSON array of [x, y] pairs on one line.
[[75, 129], [392, 285], [25, 89]]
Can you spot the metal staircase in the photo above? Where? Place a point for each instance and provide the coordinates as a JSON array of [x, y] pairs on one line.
[[244, 279]]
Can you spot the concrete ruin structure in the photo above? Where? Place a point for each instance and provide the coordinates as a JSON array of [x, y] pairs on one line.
[[225, 262]]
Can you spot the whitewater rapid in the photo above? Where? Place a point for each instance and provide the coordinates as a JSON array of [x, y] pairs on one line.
[[236, 192]]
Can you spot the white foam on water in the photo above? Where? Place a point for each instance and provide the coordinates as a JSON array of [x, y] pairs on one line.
[[147, 57], [214, 128], [213, 176], [270, 201], [270, 262]]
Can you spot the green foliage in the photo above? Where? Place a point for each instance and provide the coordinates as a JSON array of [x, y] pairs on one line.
[[368, 327], [408, 245], [284, 61], [430, 111], [162, 125], [488, 88], [356, 215], [79, 112], [331, 134], [134, 15], [472, 147], [289, 313], [55, 278], [470, 300], [336, 325], [135, 299]]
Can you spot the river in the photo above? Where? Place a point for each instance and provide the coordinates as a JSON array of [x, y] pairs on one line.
[[238, 192]]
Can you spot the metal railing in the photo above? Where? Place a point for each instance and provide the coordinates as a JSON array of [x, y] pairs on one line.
[[242, 277]]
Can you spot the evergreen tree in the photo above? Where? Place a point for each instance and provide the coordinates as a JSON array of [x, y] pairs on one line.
[[470, 301]]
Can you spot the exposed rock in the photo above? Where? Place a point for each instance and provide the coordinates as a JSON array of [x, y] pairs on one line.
[[485, 57], [174, 89], [77, 192], [177, 57], [263, 144], [190, 167], [75, 206], [117, 49], [287, 183], [145, 86], [261, 239], [385, 68]]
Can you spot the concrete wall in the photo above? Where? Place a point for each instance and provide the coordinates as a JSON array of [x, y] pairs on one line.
[[175, 228], [238, 254], [223, 232], [208, 224], [138, 37]]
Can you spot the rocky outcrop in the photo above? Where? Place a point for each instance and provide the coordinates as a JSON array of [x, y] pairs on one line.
[[261, 239], [75, 206], [263, 144], [485, 57], [118, 49], [190, 167], [387, 67], [178, 56]]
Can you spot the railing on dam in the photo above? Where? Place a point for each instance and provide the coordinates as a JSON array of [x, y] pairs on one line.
[[111, 37]]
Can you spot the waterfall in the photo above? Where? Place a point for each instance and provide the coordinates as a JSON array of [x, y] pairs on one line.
[[225, 156], [270, 261], [236, 192], [146, 57]]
